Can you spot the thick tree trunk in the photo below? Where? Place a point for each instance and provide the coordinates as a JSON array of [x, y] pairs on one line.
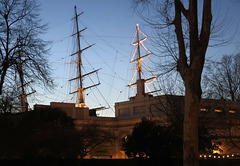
[[2, 78], [190, 132], [190, 68]]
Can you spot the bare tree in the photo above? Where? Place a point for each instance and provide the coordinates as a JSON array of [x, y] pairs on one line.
[[20, 42], [222, 79], [93, 137], [191, 36], [10, 101]]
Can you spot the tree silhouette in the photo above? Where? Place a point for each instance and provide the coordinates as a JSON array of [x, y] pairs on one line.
[[20, 43], [222, 79], [152, 139], [149, 139], [9, 100], [186, 41], [38, 134], [47, 133], [92, 137]]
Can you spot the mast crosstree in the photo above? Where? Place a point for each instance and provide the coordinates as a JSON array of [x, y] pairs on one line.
[[80, 75], [137, 58]]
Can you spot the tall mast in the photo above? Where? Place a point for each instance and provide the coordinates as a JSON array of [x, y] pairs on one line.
[[24, 95], [80, 76], [137, 58], [24, 104], [81, 100], [139, 66]]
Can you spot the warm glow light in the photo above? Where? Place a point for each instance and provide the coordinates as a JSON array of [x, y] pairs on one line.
[[81, 105], [218, 110], [216, 151], [203, 109], [232, 111]]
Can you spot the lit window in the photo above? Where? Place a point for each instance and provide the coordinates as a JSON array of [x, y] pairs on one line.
[[203, 109], [218, 110], [232, 111]]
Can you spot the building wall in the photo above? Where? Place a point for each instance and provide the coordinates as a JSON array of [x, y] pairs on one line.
[[224, 116]]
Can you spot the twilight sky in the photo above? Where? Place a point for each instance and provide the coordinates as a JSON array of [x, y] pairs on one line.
[[111, 26]]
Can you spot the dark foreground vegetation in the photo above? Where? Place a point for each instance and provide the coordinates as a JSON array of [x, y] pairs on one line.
[[117, 162], [46, 133], [163, 141]]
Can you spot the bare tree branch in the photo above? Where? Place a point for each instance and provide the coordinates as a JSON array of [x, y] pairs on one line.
[[19, 36]]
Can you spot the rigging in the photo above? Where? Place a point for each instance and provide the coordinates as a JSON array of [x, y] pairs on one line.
[[137, 58], [81, 89]]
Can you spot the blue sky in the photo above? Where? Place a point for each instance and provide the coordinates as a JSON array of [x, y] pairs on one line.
[[111, 25]]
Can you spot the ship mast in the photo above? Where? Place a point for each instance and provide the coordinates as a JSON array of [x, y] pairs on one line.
[[80, 91], [139, 66], [81, 99], [24, 104], [24, 95], [140, 82]]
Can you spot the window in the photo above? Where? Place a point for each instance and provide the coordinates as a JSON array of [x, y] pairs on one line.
[[203, 109], [218, 110], [232, 111]]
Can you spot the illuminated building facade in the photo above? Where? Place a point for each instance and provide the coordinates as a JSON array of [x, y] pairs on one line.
[[223, 116]]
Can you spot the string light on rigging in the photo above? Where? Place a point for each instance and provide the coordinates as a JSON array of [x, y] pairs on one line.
[[137, 58]]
